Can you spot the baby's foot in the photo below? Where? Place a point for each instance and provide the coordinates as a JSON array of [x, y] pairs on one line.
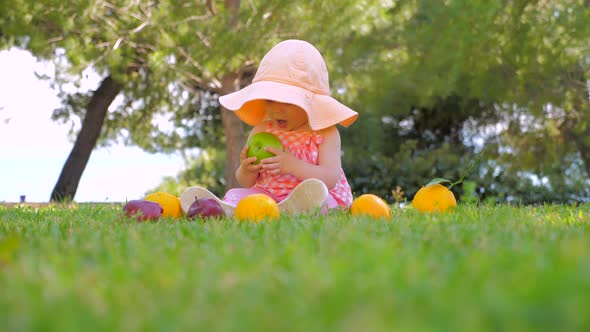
[[188, 197], [308, 197]]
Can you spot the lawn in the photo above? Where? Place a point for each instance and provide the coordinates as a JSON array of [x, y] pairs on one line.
[[481, 268]]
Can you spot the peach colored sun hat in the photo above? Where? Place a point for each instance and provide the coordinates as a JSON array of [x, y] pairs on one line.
[[293, 72]]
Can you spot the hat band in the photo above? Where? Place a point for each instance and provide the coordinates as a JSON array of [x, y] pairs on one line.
[[306, 86]]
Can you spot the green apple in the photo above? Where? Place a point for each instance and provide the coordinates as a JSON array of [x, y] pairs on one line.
[[261, 140]]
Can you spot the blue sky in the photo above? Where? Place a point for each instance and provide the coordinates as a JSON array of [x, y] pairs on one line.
[[33, 148]]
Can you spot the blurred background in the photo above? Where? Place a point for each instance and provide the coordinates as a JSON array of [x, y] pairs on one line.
[[436, 84]]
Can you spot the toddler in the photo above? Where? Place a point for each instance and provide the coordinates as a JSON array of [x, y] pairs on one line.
[[290, 98]]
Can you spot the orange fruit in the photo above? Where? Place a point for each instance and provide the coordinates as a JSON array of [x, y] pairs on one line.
[[169, 202], [370, 205], [256, 208], [434, 198]]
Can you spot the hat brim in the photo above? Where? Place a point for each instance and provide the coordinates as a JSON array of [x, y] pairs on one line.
[[322, 111]]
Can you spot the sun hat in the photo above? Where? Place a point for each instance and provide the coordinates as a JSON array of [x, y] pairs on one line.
[[293, 72]]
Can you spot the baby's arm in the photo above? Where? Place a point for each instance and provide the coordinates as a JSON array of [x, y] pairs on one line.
[[247, 173], [329, 164]]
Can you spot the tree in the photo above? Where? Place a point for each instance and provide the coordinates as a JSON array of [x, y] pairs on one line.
[[160, 55], [519, 66]]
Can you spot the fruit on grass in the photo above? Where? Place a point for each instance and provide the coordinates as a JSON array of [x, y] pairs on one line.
[[256, 207], [205, 208], [370, 205], [434, 198], [259, 141], [169, 202], [143, 210]]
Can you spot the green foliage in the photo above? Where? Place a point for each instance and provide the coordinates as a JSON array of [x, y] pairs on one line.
[[469, 192], [509, 76], [410, 151], [172, 56], [409, 168], [472, 270]]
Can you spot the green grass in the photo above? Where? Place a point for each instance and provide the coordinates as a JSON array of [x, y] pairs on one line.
[[479, 269]]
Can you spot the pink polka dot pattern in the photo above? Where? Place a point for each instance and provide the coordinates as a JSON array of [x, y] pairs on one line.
[[304, 146]]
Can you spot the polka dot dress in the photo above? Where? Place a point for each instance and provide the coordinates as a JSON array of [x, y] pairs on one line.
[[304, 146]]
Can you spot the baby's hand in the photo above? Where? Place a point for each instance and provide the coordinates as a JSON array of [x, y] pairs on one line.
[[247, 163], [279, 163]]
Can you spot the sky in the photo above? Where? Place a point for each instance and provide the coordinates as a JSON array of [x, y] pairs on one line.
[[34, 148]]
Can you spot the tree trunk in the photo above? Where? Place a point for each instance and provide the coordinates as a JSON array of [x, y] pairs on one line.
[[584, 151], [234, 130], [583, 137], [571, 133], [67, 184], [580, 135], [577, 123]]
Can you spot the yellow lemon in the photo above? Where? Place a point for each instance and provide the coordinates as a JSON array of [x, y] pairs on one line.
[[370, 205], [169, 202], [434, 198], [256, 208]]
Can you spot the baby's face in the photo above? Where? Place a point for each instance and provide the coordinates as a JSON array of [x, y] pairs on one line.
[[286, 116]]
